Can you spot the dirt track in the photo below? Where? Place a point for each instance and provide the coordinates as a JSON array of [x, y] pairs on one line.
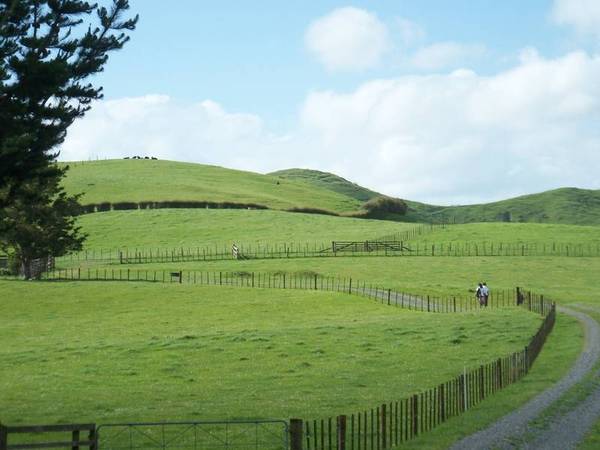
[[565, 431]]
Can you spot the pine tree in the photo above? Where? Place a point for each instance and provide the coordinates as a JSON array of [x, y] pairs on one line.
[[48, 51]]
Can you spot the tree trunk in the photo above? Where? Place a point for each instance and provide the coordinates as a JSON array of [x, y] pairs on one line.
[[26, 267]]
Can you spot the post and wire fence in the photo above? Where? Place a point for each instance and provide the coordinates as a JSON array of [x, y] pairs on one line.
[[375, 247]]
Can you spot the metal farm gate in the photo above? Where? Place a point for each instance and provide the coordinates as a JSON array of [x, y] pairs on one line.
[[208, 435]]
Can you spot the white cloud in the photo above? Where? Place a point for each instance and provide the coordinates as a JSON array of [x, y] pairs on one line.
[[447, 138], [445, 54], [462, 137], [582, 15], [155, 125], [348, 39], [411, 33]]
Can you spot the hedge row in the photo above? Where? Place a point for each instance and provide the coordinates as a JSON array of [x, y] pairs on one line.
[[123, 206], [307, 210]]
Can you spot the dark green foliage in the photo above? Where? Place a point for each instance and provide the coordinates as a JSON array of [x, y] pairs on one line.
[[40, 222], [46, 54], [48, 50], [312, 211], [122, 206], [146, 205], [382, 205], [102, 207], [168, 204]]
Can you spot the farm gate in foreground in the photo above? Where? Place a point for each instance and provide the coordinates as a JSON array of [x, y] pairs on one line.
[[193, 435]]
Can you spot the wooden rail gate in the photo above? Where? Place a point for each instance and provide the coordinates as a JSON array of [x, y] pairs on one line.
[[368, 246], [45, 436]]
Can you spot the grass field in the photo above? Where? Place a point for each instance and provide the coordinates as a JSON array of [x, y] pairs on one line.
[[565, 280], [139, 180], [560, 351], [120, 352], [514, 233], [198, 227], [182, 353]]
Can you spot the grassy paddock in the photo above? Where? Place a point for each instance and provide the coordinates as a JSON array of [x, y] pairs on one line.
[[120, 352], [525, 233], [560, 352], [565, 280], [168, 228]]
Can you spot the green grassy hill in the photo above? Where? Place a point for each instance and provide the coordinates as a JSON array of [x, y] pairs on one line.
[[149, 180], [170, 228], [329, 181], [565, 205]]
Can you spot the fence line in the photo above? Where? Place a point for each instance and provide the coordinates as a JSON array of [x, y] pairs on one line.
[[393, 423], [499, 298], [376, 247]]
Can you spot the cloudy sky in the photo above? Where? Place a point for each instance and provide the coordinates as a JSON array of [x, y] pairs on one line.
[[440, 101]]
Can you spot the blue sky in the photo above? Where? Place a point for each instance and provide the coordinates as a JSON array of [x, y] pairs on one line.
[[408, 97], [250, 56]]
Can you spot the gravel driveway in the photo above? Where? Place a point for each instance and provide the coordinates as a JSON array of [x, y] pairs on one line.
[[566, 431]]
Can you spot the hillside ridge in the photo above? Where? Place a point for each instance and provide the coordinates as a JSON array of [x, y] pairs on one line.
[[568, 205], [312, 190]]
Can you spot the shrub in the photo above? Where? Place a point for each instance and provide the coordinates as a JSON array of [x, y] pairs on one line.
[[104, 206], [88, 209], [123, 206], [385, 205], [312, 211], [147, 205]]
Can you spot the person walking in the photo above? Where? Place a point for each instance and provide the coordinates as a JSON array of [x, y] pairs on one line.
[[485, 293], [479, 294]]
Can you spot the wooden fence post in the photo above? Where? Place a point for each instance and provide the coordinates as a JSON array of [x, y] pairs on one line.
[[75, 440], [341, 432], [295, 434], [3, 437], [384, 426], [93, 438]]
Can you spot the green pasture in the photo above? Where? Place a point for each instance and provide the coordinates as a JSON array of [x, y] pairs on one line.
[[514, 233], [564, 280], [560, 352], [174, 228], [93, 351], [148, 180]]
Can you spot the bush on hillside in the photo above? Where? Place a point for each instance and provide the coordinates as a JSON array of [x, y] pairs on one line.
[[312, 211], [104, 206], [124, 206], [385, 205]]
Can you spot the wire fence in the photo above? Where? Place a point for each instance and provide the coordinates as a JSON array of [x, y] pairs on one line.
[[499, 298], [376, 247], [393, 423], [197, 435]]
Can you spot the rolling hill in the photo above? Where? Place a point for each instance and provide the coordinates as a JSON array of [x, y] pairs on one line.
[[150, 180], [566, 205]]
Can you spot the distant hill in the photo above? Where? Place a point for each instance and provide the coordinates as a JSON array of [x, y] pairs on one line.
[[151, 180], [565, 205], [328, 181]]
